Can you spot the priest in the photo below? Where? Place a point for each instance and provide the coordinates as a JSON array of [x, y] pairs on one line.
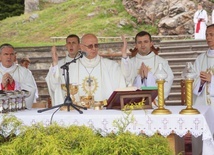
[[204, 67], [56, 75], [14, 76], [96, 77], [139, 70], [203, 86]]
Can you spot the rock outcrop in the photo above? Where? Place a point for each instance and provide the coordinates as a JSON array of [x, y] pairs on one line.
[[31, 5], [171, 16]]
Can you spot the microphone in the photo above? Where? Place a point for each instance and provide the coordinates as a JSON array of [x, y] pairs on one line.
[[82, 53], [78, 56]]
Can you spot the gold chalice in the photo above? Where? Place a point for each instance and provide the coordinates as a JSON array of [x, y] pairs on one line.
[[73, 88]]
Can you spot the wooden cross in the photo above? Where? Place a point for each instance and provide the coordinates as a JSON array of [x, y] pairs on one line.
[[89, 81]]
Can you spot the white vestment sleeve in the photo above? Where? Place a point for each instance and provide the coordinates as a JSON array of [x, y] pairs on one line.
[[54, 85], [197, 87], [137, 82], [112, 78], [212, 86], [195, 19], [37, 92], [126, 68], [28, 83], [150, 81]]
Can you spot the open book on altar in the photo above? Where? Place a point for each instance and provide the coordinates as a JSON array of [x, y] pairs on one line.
[[120, 97]]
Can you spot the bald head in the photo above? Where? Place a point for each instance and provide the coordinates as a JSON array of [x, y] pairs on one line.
[[88, 36], [89, 44]]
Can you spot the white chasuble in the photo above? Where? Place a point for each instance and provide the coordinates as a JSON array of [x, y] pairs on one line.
[[97, 77], [23, 80], [204, 62], [130, 68], [56, 76]]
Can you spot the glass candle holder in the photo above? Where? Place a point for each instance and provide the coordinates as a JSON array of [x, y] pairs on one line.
[[160, 75]]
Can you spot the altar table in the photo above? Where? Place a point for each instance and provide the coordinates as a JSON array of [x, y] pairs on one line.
[[144, 121]]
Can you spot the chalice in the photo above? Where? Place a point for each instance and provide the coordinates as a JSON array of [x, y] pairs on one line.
[[73, 88]]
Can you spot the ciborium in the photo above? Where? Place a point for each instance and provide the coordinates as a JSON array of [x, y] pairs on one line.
[[189, 74], [160, 75], [87, 101], [98, 105]]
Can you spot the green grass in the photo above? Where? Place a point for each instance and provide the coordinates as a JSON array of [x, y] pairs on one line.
[[69, 17]]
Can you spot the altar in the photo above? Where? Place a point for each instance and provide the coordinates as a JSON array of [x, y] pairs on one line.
[[144, 122]]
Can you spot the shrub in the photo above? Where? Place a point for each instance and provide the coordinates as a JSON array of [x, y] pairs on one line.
[[80, 140]]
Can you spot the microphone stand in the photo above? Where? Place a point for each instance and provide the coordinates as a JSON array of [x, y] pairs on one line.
[[68, 101]]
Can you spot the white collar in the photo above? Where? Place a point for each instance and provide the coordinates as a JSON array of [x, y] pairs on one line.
[[90, 63], [210, 53], [4, 69], [145, 56]]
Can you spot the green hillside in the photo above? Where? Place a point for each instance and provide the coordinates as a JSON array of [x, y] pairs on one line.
[[70, 17]]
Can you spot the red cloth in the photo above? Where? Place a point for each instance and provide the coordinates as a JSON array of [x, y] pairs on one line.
[[9, 86], [198, 26]]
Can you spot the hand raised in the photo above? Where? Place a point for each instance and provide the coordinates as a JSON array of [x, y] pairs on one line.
[[54, 56], [124, 48]]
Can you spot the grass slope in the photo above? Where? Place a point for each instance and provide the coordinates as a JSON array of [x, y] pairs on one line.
[[69, 17]]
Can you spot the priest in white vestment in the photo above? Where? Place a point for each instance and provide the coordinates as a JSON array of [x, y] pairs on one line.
[[14, 76], [139, 70], [95, 76], [204, 67], [200, 20], [55, 76], [203, 86]]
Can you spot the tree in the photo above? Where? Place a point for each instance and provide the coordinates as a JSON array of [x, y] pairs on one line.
[[11, 8]]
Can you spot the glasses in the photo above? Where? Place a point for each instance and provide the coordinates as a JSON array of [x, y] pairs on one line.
[[92, 45]]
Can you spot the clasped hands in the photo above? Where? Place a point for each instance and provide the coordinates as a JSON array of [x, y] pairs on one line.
[[205, 77], [143, 71], [7, 79]]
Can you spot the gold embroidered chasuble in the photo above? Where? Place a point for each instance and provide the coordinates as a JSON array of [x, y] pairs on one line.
[[98, 77], [204, 62]]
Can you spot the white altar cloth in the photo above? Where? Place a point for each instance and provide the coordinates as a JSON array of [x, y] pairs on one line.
[[145, 122]]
